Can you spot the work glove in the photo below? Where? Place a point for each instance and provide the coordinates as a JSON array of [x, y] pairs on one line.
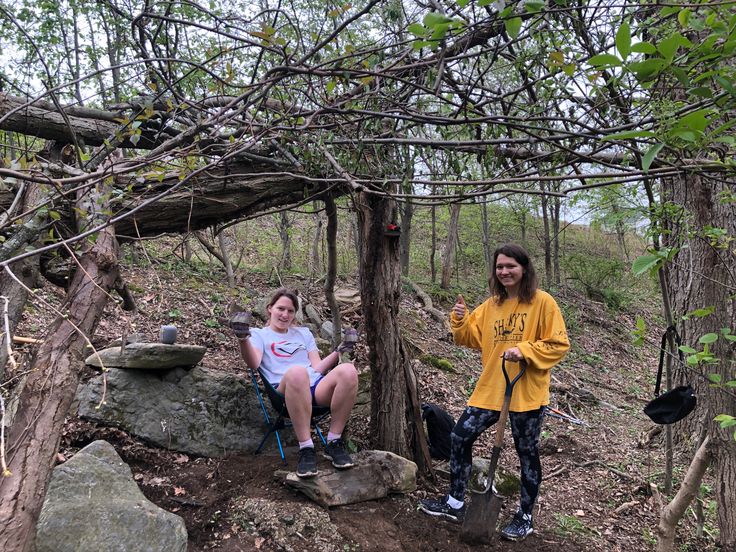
[[240, 323], [348, 341]]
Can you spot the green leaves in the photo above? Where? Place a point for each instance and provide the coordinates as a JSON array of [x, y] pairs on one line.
[[653, 261], [629, 134], [650, 155], [602, 61], [513, 26], [433, 29], [623, 40]]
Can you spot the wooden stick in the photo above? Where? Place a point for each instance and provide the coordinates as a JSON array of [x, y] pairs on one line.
[[26, 340]]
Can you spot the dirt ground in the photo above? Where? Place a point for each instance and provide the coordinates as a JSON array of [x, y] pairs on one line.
[[595, 495]]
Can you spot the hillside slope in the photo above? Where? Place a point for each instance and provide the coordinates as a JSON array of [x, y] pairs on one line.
[[594, 496]]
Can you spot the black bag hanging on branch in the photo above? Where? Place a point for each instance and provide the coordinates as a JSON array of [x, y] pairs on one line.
[[675, 404]]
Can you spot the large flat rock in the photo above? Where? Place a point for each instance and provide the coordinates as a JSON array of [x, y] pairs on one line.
[[148, 356]]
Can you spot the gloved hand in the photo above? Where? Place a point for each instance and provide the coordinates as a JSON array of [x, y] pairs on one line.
[[348, 341], [240, 323], [345, 347]]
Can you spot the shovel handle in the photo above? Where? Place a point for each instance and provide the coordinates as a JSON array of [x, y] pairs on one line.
[[503, 417]]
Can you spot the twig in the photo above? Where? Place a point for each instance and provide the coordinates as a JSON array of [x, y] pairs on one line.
[[558, 471], [7, 338], [6, 471], [602, 464]]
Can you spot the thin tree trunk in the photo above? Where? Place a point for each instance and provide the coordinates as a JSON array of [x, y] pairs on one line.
[[556, 239], [329, 287], [433, 249], [315, 263], [47, 394], [450, 250], [547, 241], [285, 234], [487, 251], [407, 213], [396, 423], [27, 272], [674, 511], [221, 242]]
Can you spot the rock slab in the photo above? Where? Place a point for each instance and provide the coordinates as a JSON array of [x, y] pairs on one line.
[[199, 411], [92, 503], [376, 474], [147, 356]]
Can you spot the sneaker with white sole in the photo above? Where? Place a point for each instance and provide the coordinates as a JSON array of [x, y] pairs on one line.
[[519, 528], [307, 464], [440, 508], [335, 451]]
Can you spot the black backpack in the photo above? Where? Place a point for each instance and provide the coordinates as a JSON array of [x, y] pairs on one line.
[[439, 427]]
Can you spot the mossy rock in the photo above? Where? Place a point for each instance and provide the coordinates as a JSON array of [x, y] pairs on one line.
[[507, 482], [440, 363]]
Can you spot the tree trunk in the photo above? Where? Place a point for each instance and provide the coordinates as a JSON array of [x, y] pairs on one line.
[[556, 239], [433, 249], [47, 394], [226, 262], [329, 287], [689, 489], [396, 423], [314, 259], [285, 234], [701, 275], [487, 250], [27, 272], [448, 256], [407, 213], [547, 241]]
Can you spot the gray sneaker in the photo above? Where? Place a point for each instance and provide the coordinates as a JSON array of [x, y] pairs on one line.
[[519, 528], [307, 464], [335, 451], [440, 508]]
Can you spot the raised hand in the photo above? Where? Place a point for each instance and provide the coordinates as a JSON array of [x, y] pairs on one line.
[[460, 309], [240, 323], [348, 341]]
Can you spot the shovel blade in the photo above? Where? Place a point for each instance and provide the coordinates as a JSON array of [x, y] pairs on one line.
[[481, 518]]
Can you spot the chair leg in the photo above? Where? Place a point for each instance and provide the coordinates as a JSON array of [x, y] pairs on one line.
[[281, 448], [319, 432]]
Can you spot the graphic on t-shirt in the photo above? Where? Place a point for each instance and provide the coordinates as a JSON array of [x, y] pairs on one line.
[[510, 329], [286, 349]]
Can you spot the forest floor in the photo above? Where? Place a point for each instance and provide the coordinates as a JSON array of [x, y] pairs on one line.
[[595, 494]]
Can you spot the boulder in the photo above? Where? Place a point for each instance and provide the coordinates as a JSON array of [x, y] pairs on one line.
[[376, 474], [198, 411], [148, 356], [92, 503], [327, 330], [312, 314]]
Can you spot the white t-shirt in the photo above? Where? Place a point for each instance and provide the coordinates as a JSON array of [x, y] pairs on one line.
[[282, 351]]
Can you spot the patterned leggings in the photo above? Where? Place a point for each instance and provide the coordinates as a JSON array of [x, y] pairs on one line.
[[525, 426]]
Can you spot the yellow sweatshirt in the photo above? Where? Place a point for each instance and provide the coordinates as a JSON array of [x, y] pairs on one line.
[[536, 328]]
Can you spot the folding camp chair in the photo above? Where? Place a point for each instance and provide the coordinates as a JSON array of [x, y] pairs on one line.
[[281, 420]]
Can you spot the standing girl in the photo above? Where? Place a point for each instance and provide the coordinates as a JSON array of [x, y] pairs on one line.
[[519, 323]]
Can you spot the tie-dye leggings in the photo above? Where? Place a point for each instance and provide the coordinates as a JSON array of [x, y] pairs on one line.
[[525, 426]]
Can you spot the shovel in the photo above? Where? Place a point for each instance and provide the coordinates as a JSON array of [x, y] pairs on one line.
[[482, 515]]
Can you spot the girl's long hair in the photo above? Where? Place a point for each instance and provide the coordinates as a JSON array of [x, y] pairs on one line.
[[528, 284]]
